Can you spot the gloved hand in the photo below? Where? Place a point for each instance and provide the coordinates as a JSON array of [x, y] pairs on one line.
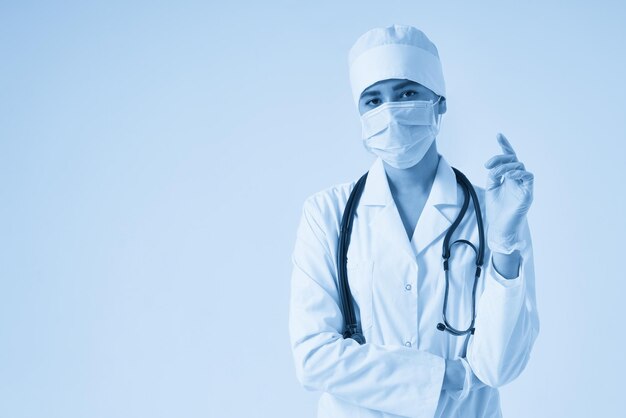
[[459, 379], [508, 196], [454, 377]]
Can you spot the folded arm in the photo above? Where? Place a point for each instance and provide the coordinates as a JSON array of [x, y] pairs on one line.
[[393, 379]]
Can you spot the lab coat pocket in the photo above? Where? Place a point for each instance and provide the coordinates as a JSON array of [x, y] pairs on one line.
[[360, 274]]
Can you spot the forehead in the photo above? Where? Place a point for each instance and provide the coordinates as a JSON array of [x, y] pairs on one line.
[[391, 84]]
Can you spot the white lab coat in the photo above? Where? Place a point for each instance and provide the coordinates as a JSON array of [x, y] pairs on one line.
[[397, 287]]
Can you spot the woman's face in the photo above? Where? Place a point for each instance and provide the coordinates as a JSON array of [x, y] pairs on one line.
[[397, 90]]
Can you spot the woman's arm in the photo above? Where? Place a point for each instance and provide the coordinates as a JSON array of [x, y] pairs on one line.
[[507, 265], [507, 321], [393, 379]]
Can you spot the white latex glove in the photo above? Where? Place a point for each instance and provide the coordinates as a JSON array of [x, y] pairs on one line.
[[459, 379], [454, 376], [509, 193]]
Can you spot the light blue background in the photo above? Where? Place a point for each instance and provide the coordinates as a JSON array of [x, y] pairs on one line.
[[154, 158]]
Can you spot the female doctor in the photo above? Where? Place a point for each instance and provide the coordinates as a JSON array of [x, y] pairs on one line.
[[410, 364]]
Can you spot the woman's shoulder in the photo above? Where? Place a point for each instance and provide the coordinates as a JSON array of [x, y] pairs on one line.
[[332, 196], [329, 203]]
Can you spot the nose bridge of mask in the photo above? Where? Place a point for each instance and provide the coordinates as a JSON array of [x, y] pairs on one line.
[[399, 113]]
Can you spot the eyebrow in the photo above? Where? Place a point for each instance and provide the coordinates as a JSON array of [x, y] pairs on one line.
[[370, 93], [394, 88]]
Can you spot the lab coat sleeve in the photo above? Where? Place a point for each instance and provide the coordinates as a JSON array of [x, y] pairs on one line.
[[507, 322], [393, 379]]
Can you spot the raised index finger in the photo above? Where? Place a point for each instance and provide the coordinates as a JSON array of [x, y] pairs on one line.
[[505, 144]]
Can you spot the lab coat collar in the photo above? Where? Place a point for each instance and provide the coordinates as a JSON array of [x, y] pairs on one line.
[[378, 193], [437, 215]]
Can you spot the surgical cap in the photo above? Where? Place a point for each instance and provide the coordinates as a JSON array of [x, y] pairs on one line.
[[397, 51]]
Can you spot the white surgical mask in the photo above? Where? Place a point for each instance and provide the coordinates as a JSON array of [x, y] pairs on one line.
[[400, 132]]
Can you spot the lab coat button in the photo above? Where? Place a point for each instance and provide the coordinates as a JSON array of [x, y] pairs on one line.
[[408, 343], [408, 287]]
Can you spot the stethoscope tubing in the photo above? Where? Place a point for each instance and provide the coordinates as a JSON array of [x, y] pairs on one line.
[[351, 327]]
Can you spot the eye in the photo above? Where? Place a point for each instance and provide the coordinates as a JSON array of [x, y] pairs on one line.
[[373, 102], [408, 93]]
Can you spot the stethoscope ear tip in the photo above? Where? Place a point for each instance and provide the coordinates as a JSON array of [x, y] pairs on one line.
[[441, 327]]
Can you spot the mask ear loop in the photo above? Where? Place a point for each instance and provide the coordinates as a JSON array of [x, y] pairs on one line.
[[437, 116]]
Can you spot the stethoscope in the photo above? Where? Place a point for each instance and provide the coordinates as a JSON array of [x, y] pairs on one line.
[[351, 328]]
